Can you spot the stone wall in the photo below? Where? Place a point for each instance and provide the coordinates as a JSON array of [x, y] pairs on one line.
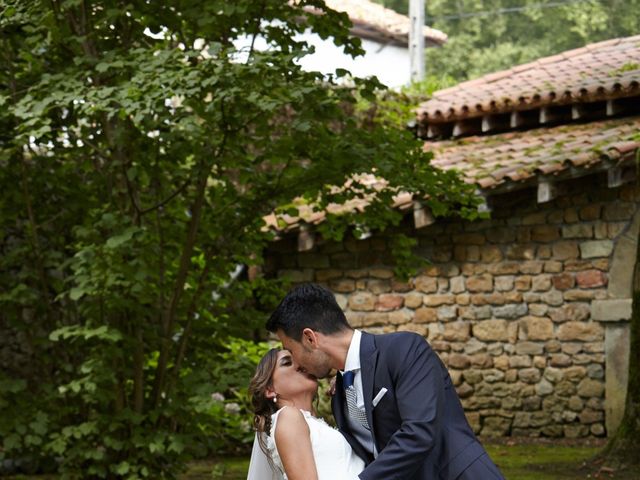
[[507, 304]]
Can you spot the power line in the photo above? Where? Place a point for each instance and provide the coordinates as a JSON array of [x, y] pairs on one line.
[[500, 11]]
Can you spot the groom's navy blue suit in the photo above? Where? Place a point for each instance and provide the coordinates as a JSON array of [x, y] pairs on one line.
[[418, 427]]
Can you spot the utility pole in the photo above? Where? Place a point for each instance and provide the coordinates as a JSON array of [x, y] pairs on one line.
[[416, 39]]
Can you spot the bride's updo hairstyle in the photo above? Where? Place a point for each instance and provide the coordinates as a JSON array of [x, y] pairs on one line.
[[263, 407]]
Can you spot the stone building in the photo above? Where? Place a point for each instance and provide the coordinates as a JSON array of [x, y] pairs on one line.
[[530, 309]]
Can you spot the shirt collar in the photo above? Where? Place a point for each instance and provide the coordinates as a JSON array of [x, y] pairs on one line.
[[353, 354]]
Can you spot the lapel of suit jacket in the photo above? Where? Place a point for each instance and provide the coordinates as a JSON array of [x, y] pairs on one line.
[[368, 360], [337, 405]]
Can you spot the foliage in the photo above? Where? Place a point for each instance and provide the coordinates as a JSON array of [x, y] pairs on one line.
[[141, 146], [488, 36]]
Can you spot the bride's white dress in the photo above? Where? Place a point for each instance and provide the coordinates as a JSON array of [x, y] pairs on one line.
[[334, 458]]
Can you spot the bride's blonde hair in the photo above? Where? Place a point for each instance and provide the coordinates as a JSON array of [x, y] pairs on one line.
[[263, 407]]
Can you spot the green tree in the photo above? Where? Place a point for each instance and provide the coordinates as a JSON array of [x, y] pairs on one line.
[[488, 36], [141, 145]]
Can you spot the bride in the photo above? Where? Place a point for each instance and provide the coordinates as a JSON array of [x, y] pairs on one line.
[[291, 442]]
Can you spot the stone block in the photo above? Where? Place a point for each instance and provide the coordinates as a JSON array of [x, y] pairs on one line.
[[457, 284], [437, 300], [537, 328], [590, 212], [591, 279], [501, 235], [532, 267], [534, 218], [596, 248], [491, 330], [378, 286], [559, 360], [480, 283], [447, 313], [504, 283], [469, 239], [495, 298], [541, 283], [356, 273], [491, 254], [544, 388], [297, 276], [583, 295], [383, 273], [313, 260], [552, 297], [362, 301], [611, 310], [413, 300], [584, 331], [399, 317], [519, 361], [422, 330], [495, 426], [387, 302], [554, 375], [521, 252], [563, 281], [523, 283], [374, 319], [481, 360], [538, 309], [575, 373], [590, 388], [529, 348], [510, 311], [425, 315], [545, 233], [464, 390], [327, 274], [575, 431], [343, 260], [401, 287], [529, 375], [503, 268], [565, 250], [459, 361], [552, 266], [578, 230], [618, 211], [457, 331], [426, 284]]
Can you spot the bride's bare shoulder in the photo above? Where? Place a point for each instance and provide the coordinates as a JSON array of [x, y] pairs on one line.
[[291, 421]]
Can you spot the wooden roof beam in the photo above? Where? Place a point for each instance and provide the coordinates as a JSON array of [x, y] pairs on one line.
[[548, 190], [306, 239], [422, 216]]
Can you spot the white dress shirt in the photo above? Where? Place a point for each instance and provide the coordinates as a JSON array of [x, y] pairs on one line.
[[353, 363]]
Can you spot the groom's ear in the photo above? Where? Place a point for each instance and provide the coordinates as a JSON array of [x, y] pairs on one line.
[[309, 338]]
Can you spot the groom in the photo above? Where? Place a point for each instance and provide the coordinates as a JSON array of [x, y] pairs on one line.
[[394, 400]]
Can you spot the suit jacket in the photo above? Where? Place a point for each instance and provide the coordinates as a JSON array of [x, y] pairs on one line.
[[418, 427]]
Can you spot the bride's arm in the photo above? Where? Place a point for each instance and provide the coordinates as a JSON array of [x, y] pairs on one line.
[[294, 445]]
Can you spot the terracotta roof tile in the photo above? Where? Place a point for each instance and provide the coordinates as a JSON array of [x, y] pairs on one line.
[[490, 161], [599, 71], [374, 21], [494, 161]]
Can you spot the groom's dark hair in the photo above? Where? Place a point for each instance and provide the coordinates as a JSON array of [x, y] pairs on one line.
[[308, 306]]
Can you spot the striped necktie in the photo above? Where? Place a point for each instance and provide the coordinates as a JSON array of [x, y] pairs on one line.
[[352, 399]]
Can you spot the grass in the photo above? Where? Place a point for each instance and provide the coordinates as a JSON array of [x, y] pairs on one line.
[[521, 460]]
